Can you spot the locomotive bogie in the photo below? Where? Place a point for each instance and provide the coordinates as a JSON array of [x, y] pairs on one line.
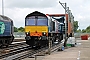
[[36, 41], [6, 41], [56, 37]]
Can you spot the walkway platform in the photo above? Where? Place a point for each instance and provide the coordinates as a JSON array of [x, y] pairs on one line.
[[80, 52]]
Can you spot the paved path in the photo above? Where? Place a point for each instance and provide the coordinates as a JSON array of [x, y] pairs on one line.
[[81, 52]]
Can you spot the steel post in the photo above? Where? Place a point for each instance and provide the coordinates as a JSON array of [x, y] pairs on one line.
[[49, 49], [2, 7]]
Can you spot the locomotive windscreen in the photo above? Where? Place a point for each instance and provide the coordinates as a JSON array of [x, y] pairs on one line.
[[37, 20], [30, 21], [42, 21]]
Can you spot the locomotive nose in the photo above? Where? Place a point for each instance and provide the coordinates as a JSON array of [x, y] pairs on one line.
[[35, 31]]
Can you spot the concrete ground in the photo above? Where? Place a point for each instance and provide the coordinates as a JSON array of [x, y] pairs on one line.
[[80, 52]]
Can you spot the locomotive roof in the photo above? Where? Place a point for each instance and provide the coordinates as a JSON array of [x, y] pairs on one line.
[[36, 13], [2, 17], [57, 15]]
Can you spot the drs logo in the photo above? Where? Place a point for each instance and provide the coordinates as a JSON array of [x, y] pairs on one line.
[[2, 27]]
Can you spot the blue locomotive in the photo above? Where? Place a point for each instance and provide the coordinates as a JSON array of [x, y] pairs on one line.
[[6, 31]]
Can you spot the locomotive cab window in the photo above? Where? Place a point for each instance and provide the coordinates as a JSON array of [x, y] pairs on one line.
[[42, 21], [30, 21], [37, 20]]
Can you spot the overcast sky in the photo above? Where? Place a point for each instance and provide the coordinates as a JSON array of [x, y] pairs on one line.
[[18, 9]]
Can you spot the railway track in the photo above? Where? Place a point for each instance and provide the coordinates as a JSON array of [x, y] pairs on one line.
[[12, 46], [26, 51], [25, 54], [12, 49], [20, 51], [18, 39]]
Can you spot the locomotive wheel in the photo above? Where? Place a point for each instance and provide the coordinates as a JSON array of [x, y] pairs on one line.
[[0, 46], [7, 46]]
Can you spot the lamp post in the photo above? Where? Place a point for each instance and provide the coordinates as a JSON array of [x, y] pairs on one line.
[[2, 7]]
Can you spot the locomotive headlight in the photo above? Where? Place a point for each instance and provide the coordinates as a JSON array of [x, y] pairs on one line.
[[44, 33], [27, 33]]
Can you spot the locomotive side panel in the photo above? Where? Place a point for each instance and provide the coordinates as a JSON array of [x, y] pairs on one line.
[[55, 31], [6, 31]]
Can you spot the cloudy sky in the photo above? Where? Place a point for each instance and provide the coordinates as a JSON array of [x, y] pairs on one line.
[[18, 9]]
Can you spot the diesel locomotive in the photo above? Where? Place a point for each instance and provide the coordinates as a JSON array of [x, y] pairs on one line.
[[6, 31], [39, 27]]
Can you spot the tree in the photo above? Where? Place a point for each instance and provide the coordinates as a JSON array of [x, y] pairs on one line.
[[83, 31], [21, 29], [75, 26], [88, 29], [15, 29], [79, 30]]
